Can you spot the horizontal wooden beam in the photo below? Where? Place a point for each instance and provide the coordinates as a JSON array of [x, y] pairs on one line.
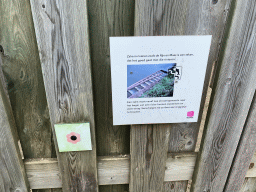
[[44, 173]]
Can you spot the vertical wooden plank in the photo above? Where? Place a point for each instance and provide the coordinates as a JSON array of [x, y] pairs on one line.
[[62, 36], [149, 145], [244, 153], [22, 69], [106, 19], [189, 17], [12, 171], [233, 94]]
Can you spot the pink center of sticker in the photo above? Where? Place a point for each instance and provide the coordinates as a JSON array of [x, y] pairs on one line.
[[73, 137], [190, 113]]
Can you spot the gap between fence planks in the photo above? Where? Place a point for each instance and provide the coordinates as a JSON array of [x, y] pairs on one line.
[[188, 17], [63, 43], [233, 93], [108, 19], [12, 171], [113, 170]]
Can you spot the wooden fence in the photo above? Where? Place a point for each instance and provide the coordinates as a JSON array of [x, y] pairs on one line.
[[56, 69]]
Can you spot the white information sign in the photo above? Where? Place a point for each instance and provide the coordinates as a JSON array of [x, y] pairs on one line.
[[157, 79]]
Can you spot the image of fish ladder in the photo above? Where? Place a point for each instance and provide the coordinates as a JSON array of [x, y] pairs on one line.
[[158, 84]]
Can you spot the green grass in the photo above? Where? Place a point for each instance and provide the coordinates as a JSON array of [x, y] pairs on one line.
[[162, 89]]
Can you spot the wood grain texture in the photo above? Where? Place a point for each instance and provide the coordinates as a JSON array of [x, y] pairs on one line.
[[115, 170], [189, 17], [43, 173], [21, 66], [249, 185], [112, 170], [62, 37], [233, 93], [251, 172], [24, 77], [244, 152], [12, 172], [149, 145], [184, 162], [175, 186], [108, 19]]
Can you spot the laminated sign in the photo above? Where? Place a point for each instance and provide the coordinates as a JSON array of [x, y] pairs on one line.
[[73, 137], [157, 79]]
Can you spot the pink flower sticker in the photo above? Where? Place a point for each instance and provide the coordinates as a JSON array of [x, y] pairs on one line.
[[190, 113], [73, 137]]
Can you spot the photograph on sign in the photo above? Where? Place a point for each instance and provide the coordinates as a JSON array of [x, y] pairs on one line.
[[144, 81], [157, 79]]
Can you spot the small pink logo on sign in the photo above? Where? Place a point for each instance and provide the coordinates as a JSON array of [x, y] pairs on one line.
[[73, 137], [190, 114]]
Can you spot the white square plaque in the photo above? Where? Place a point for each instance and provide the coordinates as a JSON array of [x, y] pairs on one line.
[[73, 137], [157, 79]]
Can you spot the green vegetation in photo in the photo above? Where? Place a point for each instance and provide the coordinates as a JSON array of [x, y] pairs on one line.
[[163, 89]]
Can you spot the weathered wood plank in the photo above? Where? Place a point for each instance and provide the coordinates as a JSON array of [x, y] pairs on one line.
[[62, 36], [183, 162], [189, 17], [244, 153], [112, 170], [149, 145], [115, 170], [43, 173], [194, 17], [22, 70], [233, 94], [108, 19], [175, 186], [12, 172], [251, 172], [249, 185], [21, 67]]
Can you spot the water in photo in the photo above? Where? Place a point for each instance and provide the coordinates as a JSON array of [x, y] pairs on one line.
[[150, 80]]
